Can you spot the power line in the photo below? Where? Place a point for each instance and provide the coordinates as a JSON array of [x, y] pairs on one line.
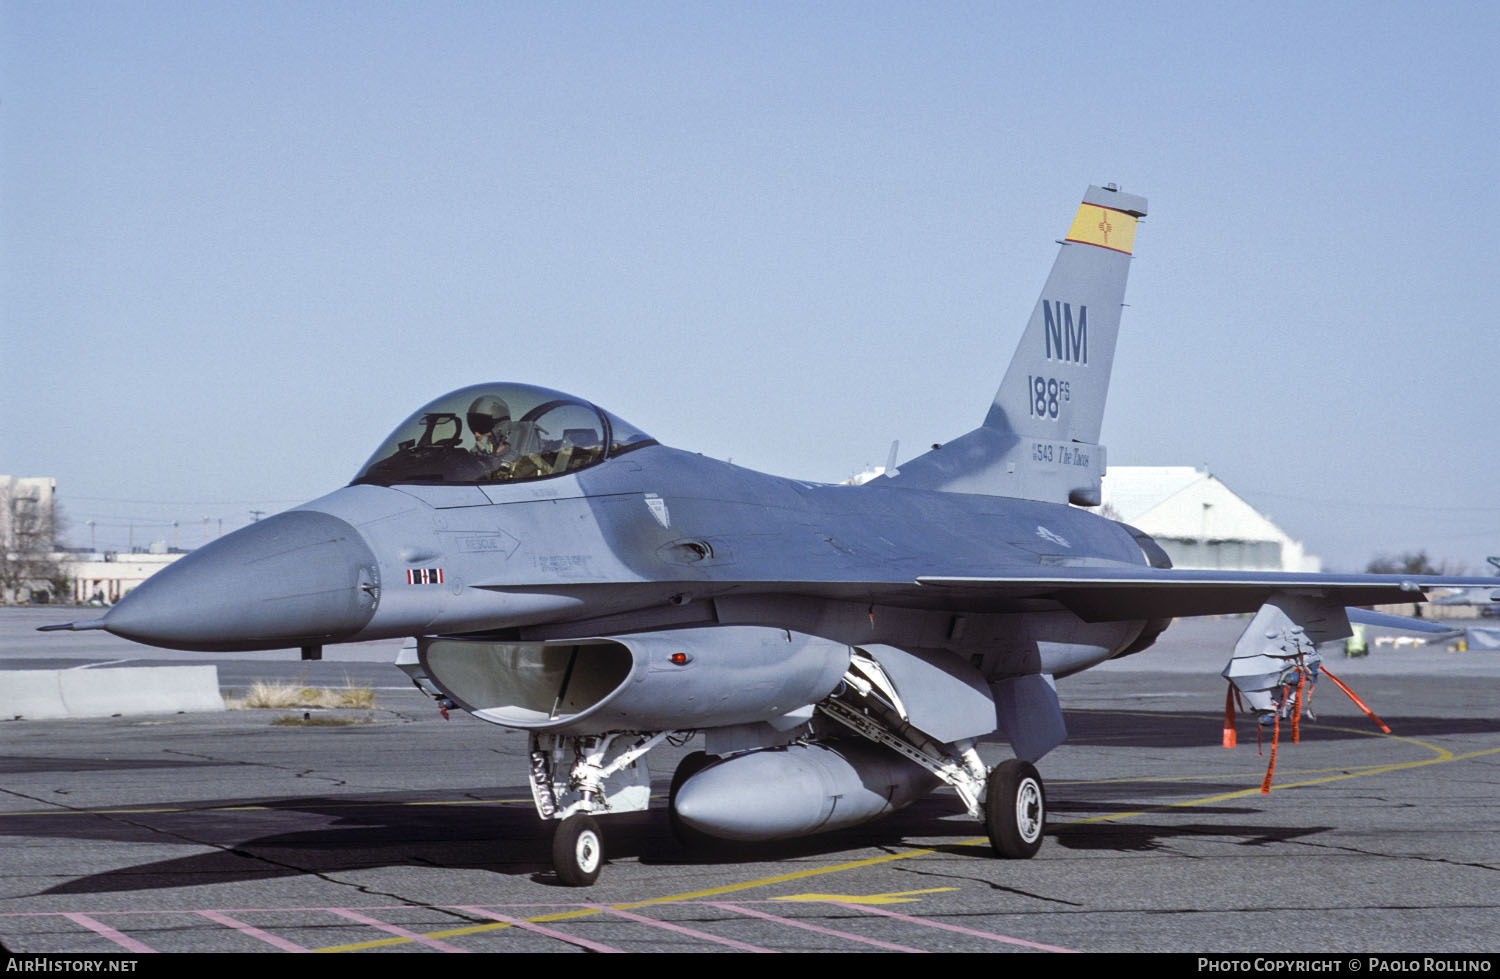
[[1366, 505], [191, 503]]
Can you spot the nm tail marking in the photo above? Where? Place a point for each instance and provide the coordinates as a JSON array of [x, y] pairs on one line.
[[1064, 341]]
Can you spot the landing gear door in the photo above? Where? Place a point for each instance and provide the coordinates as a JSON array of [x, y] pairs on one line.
[[942, 695]]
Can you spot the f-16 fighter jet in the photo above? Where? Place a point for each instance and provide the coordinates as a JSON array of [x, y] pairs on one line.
[[840, 649]]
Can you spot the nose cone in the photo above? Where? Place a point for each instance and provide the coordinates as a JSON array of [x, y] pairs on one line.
[[298, 578]]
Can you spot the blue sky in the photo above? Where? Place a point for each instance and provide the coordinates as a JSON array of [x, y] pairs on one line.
[[239, 242]]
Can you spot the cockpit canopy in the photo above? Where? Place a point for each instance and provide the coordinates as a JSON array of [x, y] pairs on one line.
[[498, 433]]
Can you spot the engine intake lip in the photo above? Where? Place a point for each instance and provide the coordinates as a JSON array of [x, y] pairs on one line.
[[655, 681], [528, 685]]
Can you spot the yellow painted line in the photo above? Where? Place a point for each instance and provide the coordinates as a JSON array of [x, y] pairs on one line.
[[892, 897], [1345, 771], [671, 899], [464, 802], [1441, 756], [519, 800], [263, 808], [1219, 777], [95, 812], [1241, 793]]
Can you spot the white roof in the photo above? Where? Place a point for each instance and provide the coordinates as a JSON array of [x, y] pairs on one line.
[[1185, 503]]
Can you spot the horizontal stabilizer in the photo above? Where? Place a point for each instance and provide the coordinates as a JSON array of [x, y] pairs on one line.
[[1384, 620]]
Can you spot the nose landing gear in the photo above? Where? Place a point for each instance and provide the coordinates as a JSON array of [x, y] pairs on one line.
[[578, 850]]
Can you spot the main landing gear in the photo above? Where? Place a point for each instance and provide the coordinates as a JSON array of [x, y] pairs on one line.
[[1015, 809], [1009, 799], [575, 779]]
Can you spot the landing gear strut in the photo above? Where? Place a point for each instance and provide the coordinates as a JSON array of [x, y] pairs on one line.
[[574, 776], [1009, 799], [1015, 810]]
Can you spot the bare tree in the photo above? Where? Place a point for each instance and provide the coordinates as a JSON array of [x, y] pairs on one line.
[[30, 528], [1412, 562]]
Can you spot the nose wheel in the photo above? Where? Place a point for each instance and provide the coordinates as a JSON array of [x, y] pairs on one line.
[[578, 850], [1015, 810]]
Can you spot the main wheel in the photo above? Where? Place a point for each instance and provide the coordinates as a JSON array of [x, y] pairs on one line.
[[578, 850], [1015, 809], [690, 839]]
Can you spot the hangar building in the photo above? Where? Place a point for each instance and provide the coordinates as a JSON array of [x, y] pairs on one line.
[[1199, 521]]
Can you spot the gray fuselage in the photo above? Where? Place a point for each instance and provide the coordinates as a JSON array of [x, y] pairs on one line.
[[654, 538]]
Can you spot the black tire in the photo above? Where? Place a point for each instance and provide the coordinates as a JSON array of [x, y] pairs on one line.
[[1015, 809], [578, 850], [690, 839]]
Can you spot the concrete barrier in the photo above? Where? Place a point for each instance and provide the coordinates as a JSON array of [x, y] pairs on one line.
[[42, 694]]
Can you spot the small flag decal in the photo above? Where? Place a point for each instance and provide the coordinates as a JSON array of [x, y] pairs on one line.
[[1103, 226], [424, 576]]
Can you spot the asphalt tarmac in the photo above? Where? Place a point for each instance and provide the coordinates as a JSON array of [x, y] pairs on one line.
[[406, 832]]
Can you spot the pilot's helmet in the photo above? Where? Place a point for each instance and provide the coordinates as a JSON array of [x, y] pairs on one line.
[[488, 415]]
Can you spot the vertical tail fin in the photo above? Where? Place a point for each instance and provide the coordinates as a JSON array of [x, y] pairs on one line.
[[1040, 438]]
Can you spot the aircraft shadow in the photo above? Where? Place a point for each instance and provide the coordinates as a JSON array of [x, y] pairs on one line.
[[24, 765], [1169, 729], [353, 835], [1138, 837], [296, 836], [323, 836], [333, 836]]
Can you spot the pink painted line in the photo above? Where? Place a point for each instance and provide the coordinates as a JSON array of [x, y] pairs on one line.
[[314, 907], [679, 929], [394, 930], [252, 931], [539, 929], [100, 928], [739, 909], [987, 935]]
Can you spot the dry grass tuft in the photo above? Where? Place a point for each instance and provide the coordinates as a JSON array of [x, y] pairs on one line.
[[361, 698], [283, 696]]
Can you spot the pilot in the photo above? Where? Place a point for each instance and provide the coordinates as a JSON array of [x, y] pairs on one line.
[[490, 424]]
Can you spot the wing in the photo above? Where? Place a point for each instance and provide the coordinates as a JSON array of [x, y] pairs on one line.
[[1094, 594], [1103, 594]]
